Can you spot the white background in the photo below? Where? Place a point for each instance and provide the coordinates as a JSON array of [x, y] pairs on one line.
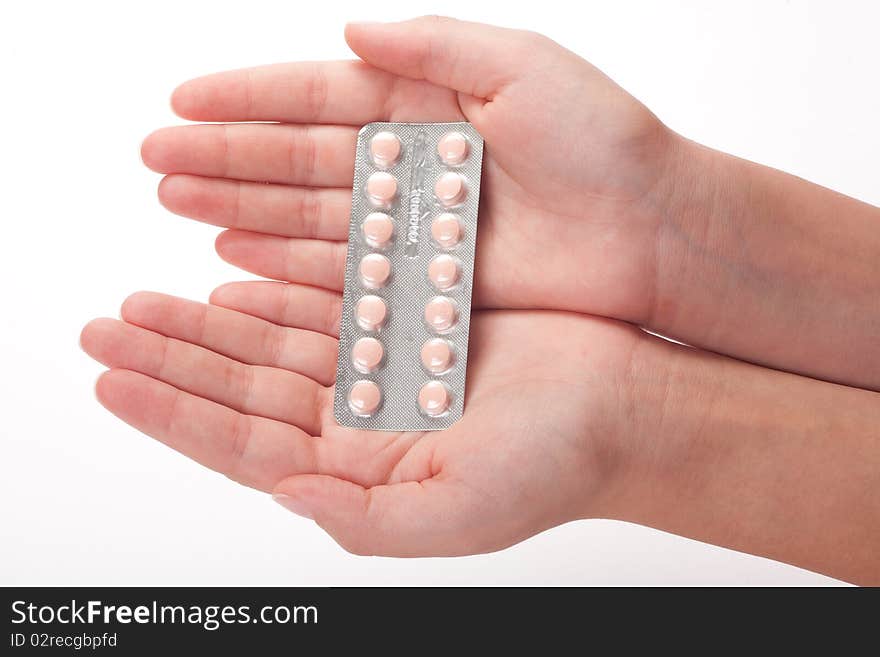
[[87, 500]]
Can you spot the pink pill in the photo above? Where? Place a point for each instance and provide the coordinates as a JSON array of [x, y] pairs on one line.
[[374, 271], [366, 355], [444, 272], [441, 314], [364, 398], [436, 355], [434, 398], [377, 229], [370, 312], [453, 148], [385, 149], [381, 188], [449, 189], [446, 230]]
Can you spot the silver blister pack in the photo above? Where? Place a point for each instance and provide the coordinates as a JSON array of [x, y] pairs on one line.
[[403, 336]]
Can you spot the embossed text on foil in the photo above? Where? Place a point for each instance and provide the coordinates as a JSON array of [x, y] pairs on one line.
[[416, 212]]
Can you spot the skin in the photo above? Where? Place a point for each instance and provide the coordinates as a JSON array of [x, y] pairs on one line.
[[207, 381], [640, 226]]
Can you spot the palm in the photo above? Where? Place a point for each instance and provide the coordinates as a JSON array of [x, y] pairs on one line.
[[228, 389]]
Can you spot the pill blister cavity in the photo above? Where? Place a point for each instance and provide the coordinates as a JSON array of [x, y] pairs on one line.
[[453, 148], [441, 314], [367, 355], [381, 189], [364, 398], [385, 149], [378, 230], [374, 271], [450, 189], [437, 356], [434, 398], [446, 230], [444, 272], [370, 312]]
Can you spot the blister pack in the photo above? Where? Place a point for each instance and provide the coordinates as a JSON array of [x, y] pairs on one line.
[[403, 335]]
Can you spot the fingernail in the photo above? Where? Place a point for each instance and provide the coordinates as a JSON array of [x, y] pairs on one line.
[[362, 23], [293, 504]]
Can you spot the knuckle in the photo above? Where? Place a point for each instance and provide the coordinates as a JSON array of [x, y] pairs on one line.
[[305, 153], [173, 414], [163, 358], [436, 52], [238, 381], [316, 92], [532, 37], [337, 255], [285, 303], [273, 340], [334, 315], [239, 438], [435, 20], [527, 42], [236, 205], [310, 213], [225, 159], [203, 322], [249, 93]]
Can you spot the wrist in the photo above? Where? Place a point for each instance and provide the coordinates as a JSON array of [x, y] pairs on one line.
[[648, 441], [751, 459], [661, 399], [694, 205]]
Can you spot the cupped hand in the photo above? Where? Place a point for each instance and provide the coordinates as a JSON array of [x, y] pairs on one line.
[[245, 388], [575, 169]]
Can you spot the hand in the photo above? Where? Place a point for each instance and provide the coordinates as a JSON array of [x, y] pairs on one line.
[[252, 397], [573, 174], [609, 422]]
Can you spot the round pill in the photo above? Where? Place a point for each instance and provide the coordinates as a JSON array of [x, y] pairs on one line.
[[449, 189], [443, 271], [374, 270], [385, 149], [433, 398], [370, 312], [364, 398], [381, 188], [446, 230], [377, 229], [366, 355], [441, 314], [453, 148], [436, 355]]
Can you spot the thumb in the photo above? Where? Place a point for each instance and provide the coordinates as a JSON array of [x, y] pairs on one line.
[[402, 520], [472, 58]]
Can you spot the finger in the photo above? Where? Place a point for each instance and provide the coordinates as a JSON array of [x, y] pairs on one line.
[[288, 304], [320, 156], [310, 212], [252, 450], [345, 92], [412, 519], [242, 337], [265, 391], [312, 262], [472, 58]]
